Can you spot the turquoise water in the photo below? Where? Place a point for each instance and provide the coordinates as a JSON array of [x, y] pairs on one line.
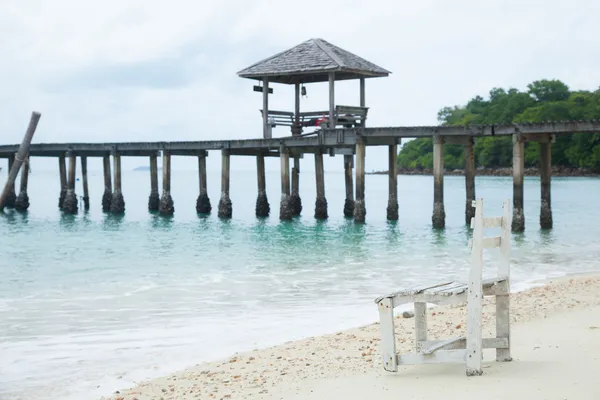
[[89, 304]]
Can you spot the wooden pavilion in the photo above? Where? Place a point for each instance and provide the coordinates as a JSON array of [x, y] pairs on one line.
[[314, 60]]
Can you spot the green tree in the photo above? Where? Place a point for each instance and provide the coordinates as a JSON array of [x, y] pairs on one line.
[[544, 100]]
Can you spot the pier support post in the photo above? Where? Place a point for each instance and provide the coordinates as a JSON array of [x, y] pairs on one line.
[[22, 202], [349, 203], [392, 208], [546, 172], [62, 170], [107, 196], [360, 210], [285, 209], [17, 161], [518, 217], [225, 207], [321, 202], [469, 180], [439, 215], [295, 200], [203, 202], [11, 197], [70, 205], [166, 206], [117, 204], [84, 181], [263, 208], [154, 198]]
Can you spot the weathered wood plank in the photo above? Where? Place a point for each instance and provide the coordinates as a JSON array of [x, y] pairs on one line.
[[503, 300], [448, 344], [451, 290], [445, 356], [475, 296], [420, 324], [488, 242], [461, 343], [419, 289], [489, 222], [388, 340]]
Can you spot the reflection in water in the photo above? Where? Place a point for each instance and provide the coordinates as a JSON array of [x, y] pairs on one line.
[[547, 237], [113, 221]]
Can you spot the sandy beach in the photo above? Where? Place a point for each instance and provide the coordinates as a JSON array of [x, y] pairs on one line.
[[556, 352]]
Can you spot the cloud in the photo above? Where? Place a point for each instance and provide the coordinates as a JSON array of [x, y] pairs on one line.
[[156, 70]]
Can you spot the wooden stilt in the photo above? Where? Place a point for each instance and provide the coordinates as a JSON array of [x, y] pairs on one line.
[[360, 210], [9, 188], [546, 173], [22, 202], [203, 202], [107, 196], [518, 218], [439, 215], [295, 200], [263, 208], [321, 202], [469, 180], [62, 169], [84, 179], [117, 204], [225, 206], [392, 208], [166, 206], [11, 195], [285, 209], [154, 199], [71, 205], [349, 203]]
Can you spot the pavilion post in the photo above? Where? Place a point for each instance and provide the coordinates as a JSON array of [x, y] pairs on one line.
[[266, 127], [362, 92], [332, 100]]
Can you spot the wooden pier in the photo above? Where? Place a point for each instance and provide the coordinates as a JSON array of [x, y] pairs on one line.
[[339, 131]]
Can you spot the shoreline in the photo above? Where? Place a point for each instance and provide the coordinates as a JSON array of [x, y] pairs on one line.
[[481, 171], [265, 373]]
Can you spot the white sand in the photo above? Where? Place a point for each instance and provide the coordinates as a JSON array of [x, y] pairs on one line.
[[556, 351]]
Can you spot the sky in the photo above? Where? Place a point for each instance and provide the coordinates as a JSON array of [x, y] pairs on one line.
[[133, 70]]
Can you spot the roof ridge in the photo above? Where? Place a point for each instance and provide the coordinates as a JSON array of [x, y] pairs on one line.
[[320, 44]]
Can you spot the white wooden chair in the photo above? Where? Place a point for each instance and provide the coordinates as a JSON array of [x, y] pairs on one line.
[[459, 349]]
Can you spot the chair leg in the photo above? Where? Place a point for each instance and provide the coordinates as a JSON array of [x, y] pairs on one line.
[[388, 335], [420, 324], [503, 324], [474, 352]]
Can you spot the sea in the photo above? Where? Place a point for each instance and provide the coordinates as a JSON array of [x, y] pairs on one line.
[[93, 303]]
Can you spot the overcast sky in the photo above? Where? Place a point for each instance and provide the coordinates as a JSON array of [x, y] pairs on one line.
[[149, 70]]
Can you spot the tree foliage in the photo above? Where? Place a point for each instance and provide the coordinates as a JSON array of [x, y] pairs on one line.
[[544, 100]]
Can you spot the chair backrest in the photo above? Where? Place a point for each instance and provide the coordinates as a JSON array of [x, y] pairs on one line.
[[479, 242]]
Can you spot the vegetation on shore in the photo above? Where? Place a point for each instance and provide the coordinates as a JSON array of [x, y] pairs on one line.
[[544, 100]]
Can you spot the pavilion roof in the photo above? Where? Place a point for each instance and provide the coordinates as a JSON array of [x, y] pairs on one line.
[[312, 61]]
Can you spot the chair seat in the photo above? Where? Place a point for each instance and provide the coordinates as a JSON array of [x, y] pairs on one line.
[[433, 293]]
